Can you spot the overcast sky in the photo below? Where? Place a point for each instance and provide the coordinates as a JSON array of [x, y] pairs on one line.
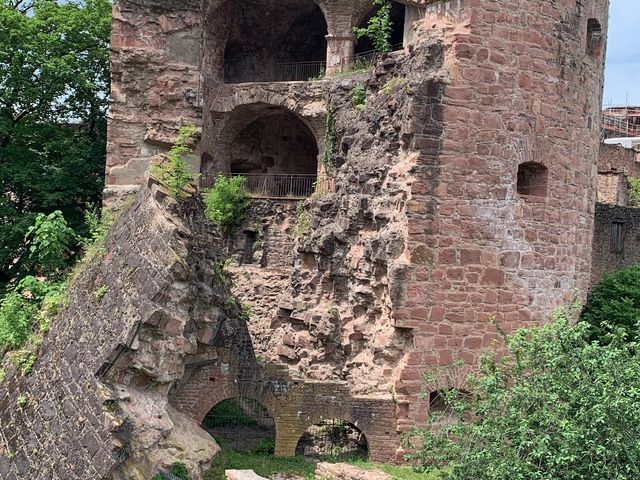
[[622, 75]]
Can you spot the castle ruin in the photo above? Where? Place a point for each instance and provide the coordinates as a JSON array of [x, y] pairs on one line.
[[383, 242]]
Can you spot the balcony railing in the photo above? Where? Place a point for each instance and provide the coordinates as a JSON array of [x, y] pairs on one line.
[[280, 72], [290, 186]]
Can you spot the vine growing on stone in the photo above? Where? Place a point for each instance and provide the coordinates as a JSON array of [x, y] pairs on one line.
[[330, 142], [379, 27]]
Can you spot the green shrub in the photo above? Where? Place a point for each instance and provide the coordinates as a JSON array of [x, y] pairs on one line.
[[379, 28], [267, 446], [358, 96], [227, 202], [614, 303], [24, 308], [50, 241], [557, 407], [178, 470], [173, 173], [634, 191]]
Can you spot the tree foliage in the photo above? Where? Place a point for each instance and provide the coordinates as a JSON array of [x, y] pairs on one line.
[[614, 303], [379, 27], [556, 407], [634, 191], [54, 83]]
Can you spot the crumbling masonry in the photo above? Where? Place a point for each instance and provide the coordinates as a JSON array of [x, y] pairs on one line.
[[461, 193]]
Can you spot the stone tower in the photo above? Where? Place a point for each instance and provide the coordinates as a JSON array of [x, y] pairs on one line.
[[461, 195]]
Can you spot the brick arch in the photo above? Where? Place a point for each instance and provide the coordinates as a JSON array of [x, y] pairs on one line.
[[209, 385]]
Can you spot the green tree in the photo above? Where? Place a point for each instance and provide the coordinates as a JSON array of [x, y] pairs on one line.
[[379, 27], [54, 83], [614, 303], [556, 407]]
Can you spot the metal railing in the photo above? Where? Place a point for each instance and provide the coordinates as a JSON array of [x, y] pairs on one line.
[[292, 186], [280, 72], [621, 126]]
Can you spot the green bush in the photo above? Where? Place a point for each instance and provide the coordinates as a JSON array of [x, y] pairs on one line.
[[174, 173], [634, 191], [557, 407], [379, 28], [613, 304], [23, 308], [50, 241], [227, 202], [358, 95]]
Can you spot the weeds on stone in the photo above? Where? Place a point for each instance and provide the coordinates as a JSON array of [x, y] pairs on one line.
[[173, 173], [303, 220], [100, 292], [358, 95]]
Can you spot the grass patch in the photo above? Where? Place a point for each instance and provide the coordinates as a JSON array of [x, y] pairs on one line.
[[263, 465]]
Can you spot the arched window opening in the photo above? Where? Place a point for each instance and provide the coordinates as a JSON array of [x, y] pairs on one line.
[[365, 48], [273, 149], [594, 37], [532, 179], [272, 42], [242, 424], [336, 439]]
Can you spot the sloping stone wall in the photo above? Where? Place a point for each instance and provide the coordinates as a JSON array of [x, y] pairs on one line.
[[98, 391]]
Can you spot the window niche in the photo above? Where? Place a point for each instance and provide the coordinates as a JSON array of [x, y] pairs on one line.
[[595, 38], [618, 233], [532, 179]]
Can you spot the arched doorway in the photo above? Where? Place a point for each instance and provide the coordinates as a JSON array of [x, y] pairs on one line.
[[242, 424], [271, 147], [269, 41], [334, 438]]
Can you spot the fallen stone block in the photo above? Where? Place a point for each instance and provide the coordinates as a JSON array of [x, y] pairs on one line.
[[242, 475], [342, 471]]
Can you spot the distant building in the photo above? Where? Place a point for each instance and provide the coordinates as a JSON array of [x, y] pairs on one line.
[[621, 122]]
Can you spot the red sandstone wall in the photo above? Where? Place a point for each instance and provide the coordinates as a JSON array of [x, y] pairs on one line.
[[522, 89], [155, 82]]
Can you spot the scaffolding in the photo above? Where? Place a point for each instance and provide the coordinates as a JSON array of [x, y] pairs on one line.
[[620, 122]]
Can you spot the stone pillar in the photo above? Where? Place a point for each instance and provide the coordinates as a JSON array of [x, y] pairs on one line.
[[340, 50], [412, 15]]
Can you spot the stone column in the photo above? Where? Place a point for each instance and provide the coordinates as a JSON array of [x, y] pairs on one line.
[[340, 48]]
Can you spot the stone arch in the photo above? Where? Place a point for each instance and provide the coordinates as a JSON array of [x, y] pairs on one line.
[[251, 41], [242, 422], [245, 112]]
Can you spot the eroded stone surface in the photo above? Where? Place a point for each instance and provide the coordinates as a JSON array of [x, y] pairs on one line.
[[343, 471]]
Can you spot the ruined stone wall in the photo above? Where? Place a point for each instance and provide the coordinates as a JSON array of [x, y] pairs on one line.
[[615, 165], [611, 255], [96, 402], [155, 84]]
